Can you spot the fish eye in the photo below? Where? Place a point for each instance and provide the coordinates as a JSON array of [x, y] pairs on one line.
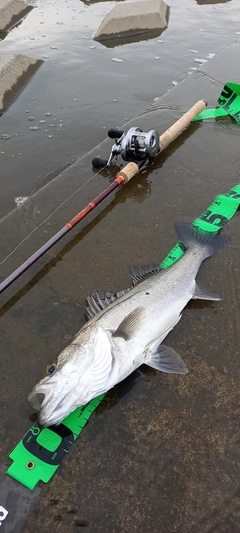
[[50, 369]]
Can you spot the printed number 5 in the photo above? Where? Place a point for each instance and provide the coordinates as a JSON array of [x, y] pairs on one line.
[[214, 218]]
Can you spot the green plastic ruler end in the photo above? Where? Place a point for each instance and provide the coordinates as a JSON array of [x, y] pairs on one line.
[[210, 113], [229, 102], [40, 452]]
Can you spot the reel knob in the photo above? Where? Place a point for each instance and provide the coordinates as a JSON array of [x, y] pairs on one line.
[[98, 162], [115, 134]]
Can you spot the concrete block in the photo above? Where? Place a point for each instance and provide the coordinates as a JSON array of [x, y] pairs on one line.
[[11, 11], [129, 19], [14, 69]]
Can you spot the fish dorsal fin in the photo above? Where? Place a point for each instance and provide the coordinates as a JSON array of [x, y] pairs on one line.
[[130, 324], [139, 273], [97, 301]]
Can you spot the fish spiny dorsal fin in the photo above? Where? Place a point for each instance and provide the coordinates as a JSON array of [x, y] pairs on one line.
[[130, 324], [139, 273], [97, 301]]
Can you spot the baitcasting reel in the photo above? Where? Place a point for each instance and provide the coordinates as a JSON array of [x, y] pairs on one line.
[[134, 146]]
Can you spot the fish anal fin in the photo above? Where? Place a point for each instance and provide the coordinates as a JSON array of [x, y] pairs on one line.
[[130, 324], [203, 294], [167, 360]]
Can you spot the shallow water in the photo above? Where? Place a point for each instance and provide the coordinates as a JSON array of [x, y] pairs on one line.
[[79, 92], [166, 456]]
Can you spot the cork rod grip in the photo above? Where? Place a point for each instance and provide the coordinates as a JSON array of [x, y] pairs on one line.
[[168, 136]]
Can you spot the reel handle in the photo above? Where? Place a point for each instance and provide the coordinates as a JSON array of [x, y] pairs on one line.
[[98, 162]]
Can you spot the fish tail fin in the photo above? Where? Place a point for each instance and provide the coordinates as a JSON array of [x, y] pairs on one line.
[[190, 234]]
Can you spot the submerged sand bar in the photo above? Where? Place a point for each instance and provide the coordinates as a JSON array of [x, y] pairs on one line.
[[11, 11], [14, 68]]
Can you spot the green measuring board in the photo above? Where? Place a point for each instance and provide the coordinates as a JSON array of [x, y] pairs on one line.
[[229, 102], [41, 451]]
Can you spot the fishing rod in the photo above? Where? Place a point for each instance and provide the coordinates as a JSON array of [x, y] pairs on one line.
[[134, 146]]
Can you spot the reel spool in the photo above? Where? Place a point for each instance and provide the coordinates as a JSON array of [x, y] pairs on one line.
[[134, 146]]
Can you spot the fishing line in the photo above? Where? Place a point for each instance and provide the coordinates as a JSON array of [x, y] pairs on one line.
[[51, 214]]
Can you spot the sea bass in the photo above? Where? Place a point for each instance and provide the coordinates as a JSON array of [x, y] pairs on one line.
[[126, 331]]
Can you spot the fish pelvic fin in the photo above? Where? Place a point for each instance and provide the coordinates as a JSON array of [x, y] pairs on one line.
[[130, 324], [127, 384], [165, 359], [190, 234]]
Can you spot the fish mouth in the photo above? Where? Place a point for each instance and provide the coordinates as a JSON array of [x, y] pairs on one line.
[[35, 400], [52, 419], [51, 408]]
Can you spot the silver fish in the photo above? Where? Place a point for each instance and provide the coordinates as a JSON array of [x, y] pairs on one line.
[[126, 332]]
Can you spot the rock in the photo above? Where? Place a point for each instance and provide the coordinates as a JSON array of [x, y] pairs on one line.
[[132, 19], [14, 69], [11, 11]]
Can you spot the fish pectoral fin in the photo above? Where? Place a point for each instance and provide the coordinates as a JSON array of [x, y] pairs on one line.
[[139, 273], [167, 360], [130, 324], [127, 384], [203, 294]]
